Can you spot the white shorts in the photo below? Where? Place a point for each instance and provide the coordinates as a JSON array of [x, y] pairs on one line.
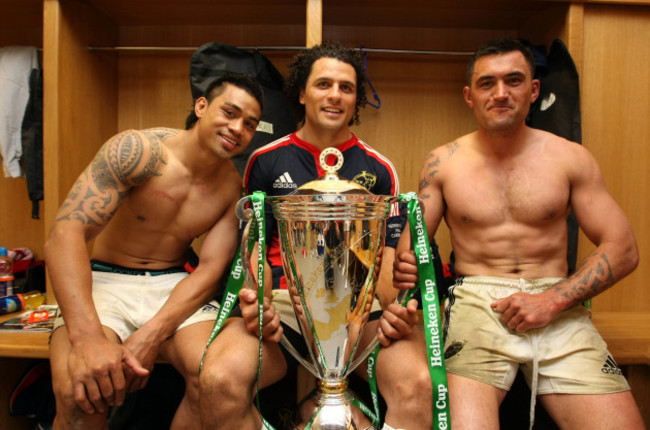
[[125, 302], [568, 355]]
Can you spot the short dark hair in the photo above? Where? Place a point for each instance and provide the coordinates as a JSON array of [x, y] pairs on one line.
[[218, 86], [300, 68], [500, 46]]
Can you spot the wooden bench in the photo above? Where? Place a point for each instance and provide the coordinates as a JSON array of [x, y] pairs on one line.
[[24, 344], [627, 335]]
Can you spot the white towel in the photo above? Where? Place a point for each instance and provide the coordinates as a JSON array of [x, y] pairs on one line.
[[16, 64]]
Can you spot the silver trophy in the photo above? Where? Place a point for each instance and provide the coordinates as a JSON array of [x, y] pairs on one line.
[[331, 235]]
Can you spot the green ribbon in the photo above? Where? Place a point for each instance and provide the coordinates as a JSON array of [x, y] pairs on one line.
[[431, 315], [236, 281], [258, 221]]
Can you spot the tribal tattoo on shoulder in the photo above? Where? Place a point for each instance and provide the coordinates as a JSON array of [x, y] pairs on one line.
[[590, 280], [127, 160]]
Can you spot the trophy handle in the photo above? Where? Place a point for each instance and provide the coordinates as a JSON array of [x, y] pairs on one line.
[[294, 352], [363, 355]]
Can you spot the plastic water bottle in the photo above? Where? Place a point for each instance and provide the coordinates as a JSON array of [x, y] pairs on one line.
[[17, 302], [6, 273]]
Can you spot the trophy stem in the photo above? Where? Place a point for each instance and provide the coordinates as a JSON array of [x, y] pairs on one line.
[[334, 387]]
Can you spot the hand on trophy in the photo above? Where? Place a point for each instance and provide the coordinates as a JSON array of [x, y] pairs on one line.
[[271, 327], [397, 321], [405, 270]]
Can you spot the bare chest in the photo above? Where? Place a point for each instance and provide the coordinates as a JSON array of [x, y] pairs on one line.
[[179, 208], [529, 194]]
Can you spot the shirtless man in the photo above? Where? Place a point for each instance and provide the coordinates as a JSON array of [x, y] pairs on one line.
[[326, 87], [505, 192], [143, 199]]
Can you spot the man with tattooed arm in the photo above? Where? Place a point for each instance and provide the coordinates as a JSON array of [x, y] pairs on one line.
[[505, 192], [142, 200]]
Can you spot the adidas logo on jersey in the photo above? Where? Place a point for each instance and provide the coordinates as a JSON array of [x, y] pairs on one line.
[[284, 181], [610, 366]]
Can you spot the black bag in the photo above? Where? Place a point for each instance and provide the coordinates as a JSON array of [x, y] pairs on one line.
[[216, 59]]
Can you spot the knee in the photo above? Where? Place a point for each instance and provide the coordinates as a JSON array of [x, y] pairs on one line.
[[68, 413], [417, 385], [408, 391], [222, 394], [214, 373], [64, 397], [218, 378]]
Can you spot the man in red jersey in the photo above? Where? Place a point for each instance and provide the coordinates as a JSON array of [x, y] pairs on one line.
[[327, 87]]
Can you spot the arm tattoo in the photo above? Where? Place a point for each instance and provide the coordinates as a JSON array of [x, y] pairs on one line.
[[432, 167], [124, 155], [423, 184], [589, 280], [129, 159]]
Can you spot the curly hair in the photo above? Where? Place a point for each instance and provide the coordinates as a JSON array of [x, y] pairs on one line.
[[300, 68]]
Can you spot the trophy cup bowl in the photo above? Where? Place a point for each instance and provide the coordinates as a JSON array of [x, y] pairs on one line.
[[331, 235]]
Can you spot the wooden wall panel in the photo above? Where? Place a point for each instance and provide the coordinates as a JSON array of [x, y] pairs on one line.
[[196, 35], [314, 17], [615, 112], [17, 228], [154, 90]]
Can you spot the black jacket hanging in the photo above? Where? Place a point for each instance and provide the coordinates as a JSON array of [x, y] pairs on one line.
[[32, 140]]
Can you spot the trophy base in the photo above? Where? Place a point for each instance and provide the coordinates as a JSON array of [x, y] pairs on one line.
[[333, 417], [329, 408]]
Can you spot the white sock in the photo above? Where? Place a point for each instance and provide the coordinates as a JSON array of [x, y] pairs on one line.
[[387, 427]]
